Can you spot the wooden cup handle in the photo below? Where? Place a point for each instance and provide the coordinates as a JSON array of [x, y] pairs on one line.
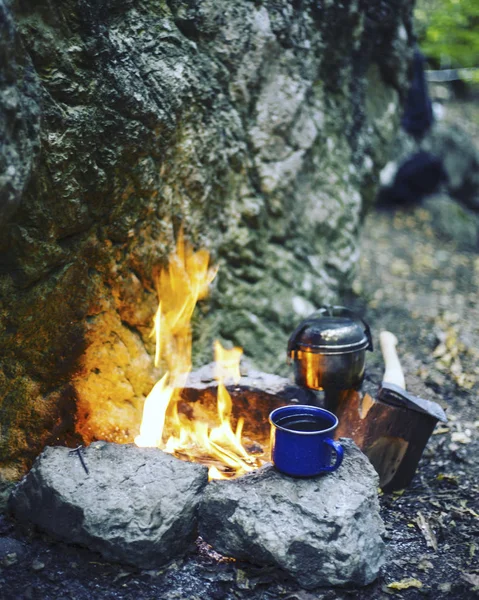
[[393, 372]]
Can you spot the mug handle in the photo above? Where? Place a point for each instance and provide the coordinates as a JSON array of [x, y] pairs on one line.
[[339, 454]]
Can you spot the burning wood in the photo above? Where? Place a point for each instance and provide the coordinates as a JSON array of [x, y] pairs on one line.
[[179, 287]]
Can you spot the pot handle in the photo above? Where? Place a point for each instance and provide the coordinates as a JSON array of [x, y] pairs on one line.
[[339, 454], [294, 336], [338, 311]]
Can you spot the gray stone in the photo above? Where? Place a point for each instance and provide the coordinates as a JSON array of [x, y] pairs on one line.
[[322, 531], [453, 221], [136, 505]]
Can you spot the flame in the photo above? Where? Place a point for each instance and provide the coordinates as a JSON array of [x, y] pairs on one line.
[[185, 281], [227, 363], [154, 411]]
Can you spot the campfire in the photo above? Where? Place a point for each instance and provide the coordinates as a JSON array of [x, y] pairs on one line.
[[210, 439], [143, 506]]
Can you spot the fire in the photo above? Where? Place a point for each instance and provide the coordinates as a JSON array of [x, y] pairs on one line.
[[185, 281]]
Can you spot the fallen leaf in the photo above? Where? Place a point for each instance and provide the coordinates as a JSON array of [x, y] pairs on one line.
[[447, 353], [400, 268], [121, 575], [301, 595], [242, 580], [465, 510], [424, 216], [405, 584], [448, 478], [425, 565], [441, 430], [10, 559], [426, 530], [440, 350], [460, 437], [37, 565]]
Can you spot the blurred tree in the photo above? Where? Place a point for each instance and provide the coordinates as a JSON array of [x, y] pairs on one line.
[[448, 32]]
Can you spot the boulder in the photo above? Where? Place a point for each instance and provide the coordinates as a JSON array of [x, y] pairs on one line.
[[455, 151], [460, 156], [135, 505], [323, 531], [453, 221]]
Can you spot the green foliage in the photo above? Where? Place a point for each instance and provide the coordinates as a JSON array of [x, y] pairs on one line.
[[449, 31]]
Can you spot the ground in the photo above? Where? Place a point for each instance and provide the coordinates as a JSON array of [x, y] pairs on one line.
[[424, 290]]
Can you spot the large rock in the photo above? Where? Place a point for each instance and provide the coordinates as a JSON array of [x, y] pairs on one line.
[[135, 505], [454, 221], [459, 157], [322, 531], [246, 122]]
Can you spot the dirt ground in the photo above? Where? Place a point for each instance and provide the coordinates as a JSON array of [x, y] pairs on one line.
[[425, 291]]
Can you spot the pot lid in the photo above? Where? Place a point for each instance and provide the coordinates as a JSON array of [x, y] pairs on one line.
[[331, 330]]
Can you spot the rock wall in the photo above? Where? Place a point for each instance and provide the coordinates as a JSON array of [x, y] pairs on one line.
[[260, 126]]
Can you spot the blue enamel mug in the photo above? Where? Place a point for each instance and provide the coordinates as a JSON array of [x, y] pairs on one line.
[[301, 440]]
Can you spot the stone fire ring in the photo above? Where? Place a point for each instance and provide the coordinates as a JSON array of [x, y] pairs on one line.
[[135, 505], [322, 531], [142, 506]]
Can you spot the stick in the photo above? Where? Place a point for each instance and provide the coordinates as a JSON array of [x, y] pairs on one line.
[[82, 460]]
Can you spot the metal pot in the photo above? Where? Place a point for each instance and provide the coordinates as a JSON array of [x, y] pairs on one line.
[[328, 349]]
